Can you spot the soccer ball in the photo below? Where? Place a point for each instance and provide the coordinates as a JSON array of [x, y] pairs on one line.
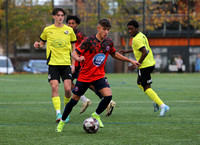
[[91, 125]]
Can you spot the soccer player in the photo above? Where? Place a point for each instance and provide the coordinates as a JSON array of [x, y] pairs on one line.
[[93, 53], [73, 21], [144, 55], [59, 39]]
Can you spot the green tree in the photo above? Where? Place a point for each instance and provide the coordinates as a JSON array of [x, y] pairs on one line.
[[25, 22]]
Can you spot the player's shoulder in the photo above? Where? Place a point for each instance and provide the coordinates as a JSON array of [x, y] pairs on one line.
[[139, 36], [68, 28], [49, 27]]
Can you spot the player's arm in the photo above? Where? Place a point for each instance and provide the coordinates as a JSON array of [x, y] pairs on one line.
[[73, 61], [144, 54], [125, 51], [39, 44], [77, 57], [123, 58]]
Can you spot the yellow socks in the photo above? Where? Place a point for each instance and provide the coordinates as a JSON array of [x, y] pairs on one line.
[[140, 86], [66, 100], [154, 96], [56, 103]]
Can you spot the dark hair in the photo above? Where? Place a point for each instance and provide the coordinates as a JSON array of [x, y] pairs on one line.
[[56, 10], [105, 23], [75, 18], [133, 23]]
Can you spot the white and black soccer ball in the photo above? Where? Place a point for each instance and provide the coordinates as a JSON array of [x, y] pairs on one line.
[[91, 125]]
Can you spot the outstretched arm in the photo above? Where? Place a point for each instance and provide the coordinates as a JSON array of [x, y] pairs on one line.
[[123, 58], [125, 51]]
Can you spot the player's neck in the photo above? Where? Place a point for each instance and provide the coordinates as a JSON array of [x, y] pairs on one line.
[[99, 38], [58, 24]]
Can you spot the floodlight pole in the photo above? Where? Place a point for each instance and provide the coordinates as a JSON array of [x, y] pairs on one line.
[[52, 2], [144, 17], [188, 37], [99, 10], [7, 33]]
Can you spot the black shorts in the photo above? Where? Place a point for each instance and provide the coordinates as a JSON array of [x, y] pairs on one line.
[[144, 75], [55, 72], [81, 87]]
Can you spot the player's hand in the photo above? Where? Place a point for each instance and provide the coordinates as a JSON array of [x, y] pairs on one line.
[[122, 52], [36, 45], [132, 67], [81, 59], [135, 63]]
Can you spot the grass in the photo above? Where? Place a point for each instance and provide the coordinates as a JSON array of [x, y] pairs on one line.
[[28, 117]]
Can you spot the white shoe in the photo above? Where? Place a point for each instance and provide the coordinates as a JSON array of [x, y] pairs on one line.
[[85, 105], [110, 107], [163, 111]]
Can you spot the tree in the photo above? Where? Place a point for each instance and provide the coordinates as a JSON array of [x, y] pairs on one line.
[[25, 23]]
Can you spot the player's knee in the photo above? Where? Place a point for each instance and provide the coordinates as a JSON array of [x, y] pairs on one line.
[[108, 98]]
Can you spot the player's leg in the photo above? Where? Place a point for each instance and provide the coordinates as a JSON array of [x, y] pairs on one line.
[[85, 101], [78, 91], [110, 106], [66, 78], [155, 106], [67, 97], [103, 87], [54, 80], [145, 79], [68, 108]]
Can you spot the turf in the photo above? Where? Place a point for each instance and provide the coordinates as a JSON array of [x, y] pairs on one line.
[[28, 117]]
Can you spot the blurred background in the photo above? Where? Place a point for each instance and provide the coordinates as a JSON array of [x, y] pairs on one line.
[[171, 26]]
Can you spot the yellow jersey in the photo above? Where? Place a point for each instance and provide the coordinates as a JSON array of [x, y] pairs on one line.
[[58, 46], [139, 41]]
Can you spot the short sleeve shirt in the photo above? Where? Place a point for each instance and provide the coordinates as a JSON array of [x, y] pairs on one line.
[[138, 42], [96, 54], [58, 47], [80, 36]]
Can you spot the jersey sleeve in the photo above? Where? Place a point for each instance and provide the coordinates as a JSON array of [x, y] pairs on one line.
[[112, 50], [139, 43], [43, 36], [73, 37], [84, 46]]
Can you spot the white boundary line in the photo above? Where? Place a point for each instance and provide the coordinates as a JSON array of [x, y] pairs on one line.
[[120, 102]]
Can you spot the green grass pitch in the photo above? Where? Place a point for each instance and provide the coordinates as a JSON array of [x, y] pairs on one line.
[[27, 116]]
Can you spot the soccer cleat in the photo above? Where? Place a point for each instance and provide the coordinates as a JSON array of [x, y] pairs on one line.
[[58, 117], [60, 126], [163, 111], [85, 105], [98, 118], [156, 107], [110, 108], [67, 120]]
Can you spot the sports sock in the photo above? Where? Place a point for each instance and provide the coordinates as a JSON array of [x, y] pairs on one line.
[[140, 86], [83, 99], [150, 92], [68, 108], [56, 103], [66, 100], [103, 104]]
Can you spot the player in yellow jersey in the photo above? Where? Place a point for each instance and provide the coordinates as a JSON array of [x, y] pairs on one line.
[[60, 40], [144, 55]]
